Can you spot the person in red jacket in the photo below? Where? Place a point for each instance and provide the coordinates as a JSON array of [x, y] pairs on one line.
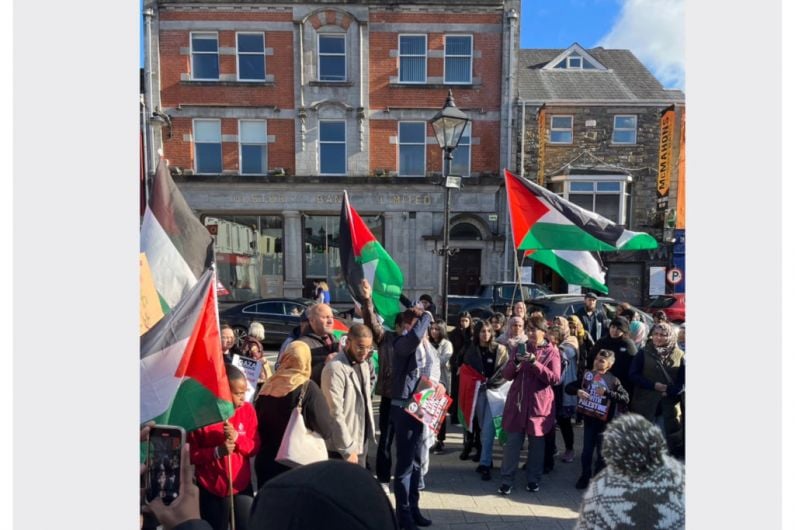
[[224, 449]]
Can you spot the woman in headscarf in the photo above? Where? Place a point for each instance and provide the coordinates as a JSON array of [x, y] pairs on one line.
[[658, 373], [639, 333], [641, 487], [584, 340], [276, 401]]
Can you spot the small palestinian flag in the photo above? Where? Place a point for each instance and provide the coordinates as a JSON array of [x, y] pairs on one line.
[[340, 329], [362, 256], [177, 246], [577, 267], [542, 220], [469, 381], [183, 379], [496, 398]]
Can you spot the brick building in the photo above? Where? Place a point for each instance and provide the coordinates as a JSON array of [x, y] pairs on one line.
[[590, 125], [266, 112]]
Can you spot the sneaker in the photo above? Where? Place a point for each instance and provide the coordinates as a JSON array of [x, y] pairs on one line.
[[568, 457], [532, 487], [419, 519], [482, 469], [438, 448], [486, 475], [582, 483], [505, 489]]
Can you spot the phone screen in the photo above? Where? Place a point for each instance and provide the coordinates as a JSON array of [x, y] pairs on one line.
[[521, 350], [163, 462]]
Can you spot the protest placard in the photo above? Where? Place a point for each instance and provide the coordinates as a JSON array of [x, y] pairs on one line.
[[597, 404], [425, 407], [251, 368]]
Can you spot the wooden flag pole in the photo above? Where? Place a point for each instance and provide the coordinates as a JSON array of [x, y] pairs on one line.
[[231, 494]]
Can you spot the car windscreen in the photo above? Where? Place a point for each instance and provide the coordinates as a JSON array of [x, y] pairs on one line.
[[662, 302]]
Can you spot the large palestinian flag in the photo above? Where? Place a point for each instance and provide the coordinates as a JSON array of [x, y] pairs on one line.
[[469, 381], [178, 247], [183, 380], [542, 220], [577, 267], [362, 256]]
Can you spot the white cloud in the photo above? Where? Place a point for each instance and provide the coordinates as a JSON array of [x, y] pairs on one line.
[[654, 30]]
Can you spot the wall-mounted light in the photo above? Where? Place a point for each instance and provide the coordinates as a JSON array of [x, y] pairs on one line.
[[161, 118]]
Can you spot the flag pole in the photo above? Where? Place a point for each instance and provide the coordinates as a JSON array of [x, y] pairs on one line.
[[516, 273], [231, 494]]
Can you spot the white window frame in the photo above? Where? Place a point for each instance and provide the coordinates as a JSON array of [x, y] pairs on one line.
[[616, 129], [239, 53], [595, 180], [344, 56], [424, 56], [468, 173], [424, 145], [344, 142], [470, 56], [216, 53], [196, 144], [552, 129], [241, 143]]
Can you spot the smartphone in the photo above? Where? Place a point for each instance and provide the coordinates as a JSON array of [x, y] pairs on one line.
[[521, 351], [163, 462]]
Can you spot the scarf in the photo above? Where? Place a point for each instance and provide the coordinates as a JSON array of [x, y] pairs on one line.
[[294, 370]]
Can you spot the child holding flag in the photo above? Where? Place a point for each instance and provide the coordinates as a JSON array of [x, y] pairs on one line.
[[221, 453]]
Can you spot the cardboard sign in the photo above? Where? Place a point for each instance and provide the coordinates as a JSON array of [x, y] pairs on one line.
[[251, 368], [151, 310], [598, 404]]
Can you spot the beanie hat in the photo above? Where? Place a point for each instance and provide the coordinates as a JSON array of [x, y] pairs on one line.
[[332, 495], [621, 323], [641, 487]]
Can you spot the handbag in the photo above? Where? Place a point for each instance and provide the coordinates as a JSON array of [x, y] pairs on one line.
[[299, 445]]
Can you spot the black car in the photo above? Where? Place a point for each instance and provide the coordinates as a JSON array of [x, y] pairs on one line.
[[568, 304], [278, 315]]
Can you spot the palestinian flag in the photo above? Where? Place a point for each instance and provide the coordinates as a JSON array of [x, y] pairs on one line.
[[340, 329], [577, 267], [183, 380], [469, 381], [542, 220], [362, 256], [496, 398], [177, 246]]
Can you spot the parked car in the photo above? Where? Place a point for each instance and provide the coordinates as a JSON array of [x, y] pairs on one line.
[[673, 305], [278, 315], [492, 297], [568, 304]]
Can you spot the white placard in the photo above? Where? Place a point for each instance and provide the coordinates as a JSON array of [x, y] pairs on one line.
[[252, 369], [656, 281], [527, 274]]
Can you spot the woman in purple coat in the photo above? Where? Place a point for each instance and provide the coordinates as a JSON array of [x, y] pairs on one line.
[[529, 407]]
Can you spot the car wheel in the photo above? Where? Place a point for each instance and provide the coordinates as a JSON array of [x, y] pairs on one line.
[[240, 333]]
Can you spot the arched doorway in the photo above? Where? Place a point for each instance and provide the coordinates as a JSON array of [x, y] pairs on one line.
[[464, 277]]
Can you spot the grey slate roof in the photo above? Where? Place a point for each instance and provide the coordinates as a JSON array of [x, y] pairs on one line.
[[625, 80]]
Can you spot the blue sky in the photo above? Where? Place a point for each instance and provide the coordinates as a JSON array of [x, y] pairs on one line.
[[652, 29]]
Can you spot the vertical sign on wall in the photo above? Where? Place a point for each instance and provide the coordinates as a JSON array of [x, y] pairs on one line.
[[680, 186], [542, 142], [666, 153]]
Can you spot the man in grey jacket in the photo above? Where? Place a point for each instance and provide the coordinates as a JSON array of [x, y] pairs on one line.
[[345, 382]]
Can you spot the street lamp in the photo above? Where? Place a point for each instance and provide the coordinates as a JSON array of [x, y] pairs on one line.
[[448, 126]]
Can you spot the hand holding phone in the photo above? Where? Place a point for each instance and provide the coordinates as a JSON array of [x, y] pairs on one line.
[[186, 506], [163, 463]]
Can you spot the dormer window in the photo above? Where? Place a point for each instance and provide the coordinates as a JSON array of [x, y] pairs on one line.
[[574, 58]]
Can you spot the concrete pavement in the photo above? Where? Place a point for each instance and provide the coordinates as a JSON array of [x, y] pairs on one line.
[[455, 497]]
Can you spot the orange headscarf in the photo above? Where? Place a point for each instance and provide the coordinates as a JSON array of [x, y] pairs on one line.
[[294, 370]]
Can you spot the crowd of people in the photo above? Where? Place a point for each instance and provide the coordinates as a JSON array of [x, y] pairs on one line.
[[622, 382]]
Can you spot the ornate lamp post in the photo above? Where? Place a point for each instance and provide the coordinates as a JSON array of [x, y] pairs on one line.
[[448, 126]]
